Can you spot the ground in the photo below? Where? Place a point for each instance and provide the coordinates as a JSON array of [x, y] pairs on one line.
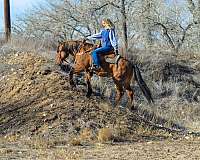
[[166, 149], [41, 117]]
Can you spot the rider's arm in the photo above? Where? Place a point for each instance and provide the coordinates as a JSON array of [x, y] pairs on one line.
[[113, 39], [95, 36]]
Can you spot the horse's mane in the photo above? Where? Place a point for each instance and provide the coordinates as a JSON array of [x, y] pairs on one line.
[[71, 46]]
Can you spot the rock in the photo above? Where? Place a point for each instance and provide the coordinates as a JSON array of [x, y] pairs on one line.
[[46, 71]]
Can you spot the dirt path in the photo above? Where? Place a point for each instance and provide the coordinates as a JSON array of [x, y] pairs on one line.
[[151, 150], [147, 150]]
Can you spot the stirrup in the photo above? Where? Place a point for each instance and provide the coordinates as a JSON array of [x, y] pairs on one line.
[[95, 67]]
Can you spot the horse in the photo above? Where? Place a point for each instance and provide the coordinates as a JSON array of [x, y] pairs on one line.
[[122, 72]]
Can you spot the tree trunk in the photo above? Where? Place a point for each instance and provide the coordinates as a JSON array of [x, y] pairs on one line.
[[124, 28], [7, 20]]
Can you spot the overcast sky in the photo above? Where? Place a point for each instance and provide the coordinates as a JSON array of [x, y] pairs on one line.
[[17, 8]]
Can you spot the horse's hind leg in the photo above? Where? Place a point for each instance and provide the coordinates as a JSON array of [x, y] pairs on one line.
[[130, 95], [119, 93]]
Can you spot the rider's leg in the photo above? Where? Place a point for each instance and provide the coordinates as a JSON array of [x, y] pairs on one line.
[[96, 52], [95, 58]]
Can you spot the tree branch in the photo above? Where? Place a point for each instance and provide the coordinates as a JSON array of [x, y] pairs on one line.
[[165, 32], [191, 5]]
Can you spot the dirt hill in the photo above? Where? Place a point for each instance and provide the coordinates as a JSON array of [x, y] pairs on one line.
[[37, 103], [35, 95]]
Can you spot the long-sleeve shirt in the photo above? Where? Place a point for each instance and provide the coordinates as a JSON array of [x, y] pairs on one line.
[[107, 37]]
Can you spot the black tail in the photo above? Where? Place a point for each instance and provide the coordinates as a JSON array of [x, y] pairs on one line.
[[146, 91]]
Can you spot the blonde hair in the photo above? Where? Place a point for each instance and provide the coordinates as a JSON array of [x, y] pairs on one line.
[[108, 23]]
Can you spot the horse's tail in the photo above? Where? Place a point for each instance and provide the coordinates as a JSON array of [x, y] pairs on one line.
[[146, 91]]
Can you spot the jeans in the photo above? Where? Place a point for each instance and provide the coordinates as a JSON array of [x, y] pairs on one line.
[[96, 52]]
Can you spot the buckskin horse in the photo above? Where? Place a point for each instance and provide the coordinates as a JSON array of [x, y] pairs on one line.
[[121, 72]]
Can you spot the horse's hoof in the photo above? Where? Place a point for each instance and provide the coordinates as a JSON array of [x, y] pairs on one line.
[[88, 95], [72, 84], [73, 87], [132, 108]]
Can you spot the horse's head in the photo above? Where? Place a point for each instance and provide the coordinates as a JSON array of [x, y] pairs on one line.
[[62, 53]]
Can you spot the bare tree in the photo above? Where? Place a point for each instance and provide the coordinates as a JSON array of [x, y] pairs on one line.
[[139, 24]]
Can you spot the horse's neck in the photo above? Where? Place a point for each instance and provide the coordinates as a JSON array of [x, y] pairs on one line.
[[73, 51]]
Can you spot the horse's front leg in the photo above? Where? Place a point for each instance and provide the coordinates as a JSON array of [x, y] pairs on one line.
[[88, 76], [71, 81]]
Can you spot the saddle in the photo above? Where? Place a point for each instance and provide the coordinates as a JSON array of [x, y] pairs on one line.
[[110, 57]]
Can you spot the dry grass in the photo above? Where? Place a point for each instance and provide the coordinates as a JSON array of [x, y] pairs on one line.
[[176, 99], [37, 148], [86, 135], [181, 113], [11, 138], [105, 135], [75, 141]]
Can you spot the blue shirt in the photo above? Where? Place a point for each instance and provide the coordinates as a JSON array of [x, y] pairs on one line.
[[107, 37]]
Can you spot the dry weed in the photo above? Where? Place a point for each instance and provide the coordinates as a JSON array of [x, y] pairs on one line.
[[105, 135], [41, 143], [75, 141], [86, 135]]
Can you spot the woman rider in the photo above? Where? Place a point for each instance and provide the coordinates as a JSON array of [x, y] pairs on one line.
[[108, 41]]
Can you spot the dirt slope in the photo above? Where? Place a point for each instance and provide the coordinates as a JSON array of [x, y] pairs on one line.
[[39, 110]]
